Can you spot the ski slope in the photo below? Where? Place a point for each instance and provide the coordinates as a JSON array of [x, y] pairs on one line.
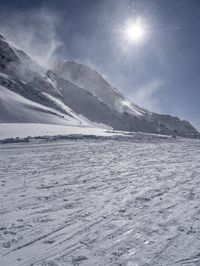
[[100, 203]]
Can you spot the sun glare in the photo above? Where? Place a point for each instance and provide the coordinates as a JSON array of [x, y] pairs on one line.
[[134, 32]]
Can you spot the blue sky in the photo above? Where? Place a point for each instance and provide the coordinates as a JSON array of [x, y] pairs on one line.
[[161, 73]]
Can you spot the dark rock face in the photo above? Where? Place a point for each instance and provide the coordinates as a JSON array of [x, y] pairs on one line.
[[7, 55]]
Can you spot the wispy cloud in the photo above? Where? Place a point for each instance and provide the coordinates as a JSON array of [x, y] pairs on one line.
[[146, 96], [35, 32]]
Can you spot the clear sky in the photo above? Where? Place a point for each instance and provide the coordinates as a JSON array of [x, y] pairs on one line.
[[161, 73]]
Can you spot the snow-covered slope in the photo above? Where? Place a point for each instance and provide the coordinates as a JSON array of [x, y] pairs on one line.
[[27, 94], [71, 93], [20, 102], [90, 80], [94, 83], [16, 108], [132, 115]]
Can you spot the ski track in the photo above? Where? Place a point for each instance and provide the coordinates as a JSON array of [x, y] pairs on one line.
[[100, 203]]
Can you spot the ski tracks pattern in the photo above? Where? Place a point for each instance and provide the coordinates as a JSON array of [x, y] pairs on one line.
[[100, 203]]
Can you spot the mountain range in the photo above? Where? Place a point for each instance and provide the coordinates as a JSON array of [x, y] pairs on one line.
[[71, 94]]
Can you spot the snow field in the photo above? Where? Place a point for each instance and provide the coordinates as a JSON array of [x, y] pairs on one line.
[[100, 203]]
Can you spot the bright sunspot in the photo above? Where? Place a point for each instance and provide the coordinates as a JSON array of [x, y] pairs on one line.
[[134, 31]]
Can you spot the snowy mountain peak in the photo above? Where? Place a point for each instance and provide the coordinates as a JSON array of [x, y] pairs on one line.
[[90, 80]]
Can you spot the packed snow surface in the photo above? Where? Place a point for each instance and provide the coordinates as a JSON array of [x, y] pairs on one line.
[[23, 130], [100, 203]]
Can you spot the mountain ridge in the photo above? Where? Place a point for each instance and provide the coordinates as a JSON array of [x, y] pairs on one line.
[[75, 93]]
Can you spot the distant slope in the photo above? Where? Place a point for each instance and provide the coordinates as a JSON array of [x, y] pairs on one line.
[[130, 116], [91, 81]]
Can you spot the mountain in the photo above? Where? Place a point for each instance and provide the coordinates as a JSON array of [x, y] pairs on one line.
[[71, 94], [131, 114]]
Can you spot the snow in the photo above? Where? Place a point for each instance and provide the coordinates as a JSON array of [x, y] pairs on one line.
[[65, 108], [16, 108], [119, 111], [74, 193], [90, 80], [76, 94], [130, 106], [23, 130], [100, 203]]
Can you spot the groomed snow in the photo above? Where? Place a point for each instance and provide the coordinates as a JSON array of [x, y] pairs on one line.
[[23, 130], [100, 203]]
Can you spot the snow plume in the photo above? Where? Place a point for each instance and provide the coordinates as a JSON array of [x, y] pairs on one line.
[[145, 96], [34, 32]]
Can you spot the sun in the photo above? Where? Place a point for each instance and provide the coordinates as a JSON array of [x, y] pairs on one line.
[[134, 32]]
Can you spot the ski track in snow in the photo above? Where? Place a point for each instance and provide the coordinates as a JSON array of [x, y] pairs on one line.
[[100, 203]]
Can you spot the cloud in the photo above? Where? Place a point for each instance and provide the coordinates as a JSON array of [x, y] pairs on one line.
[[146, 96], [33, 31]]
